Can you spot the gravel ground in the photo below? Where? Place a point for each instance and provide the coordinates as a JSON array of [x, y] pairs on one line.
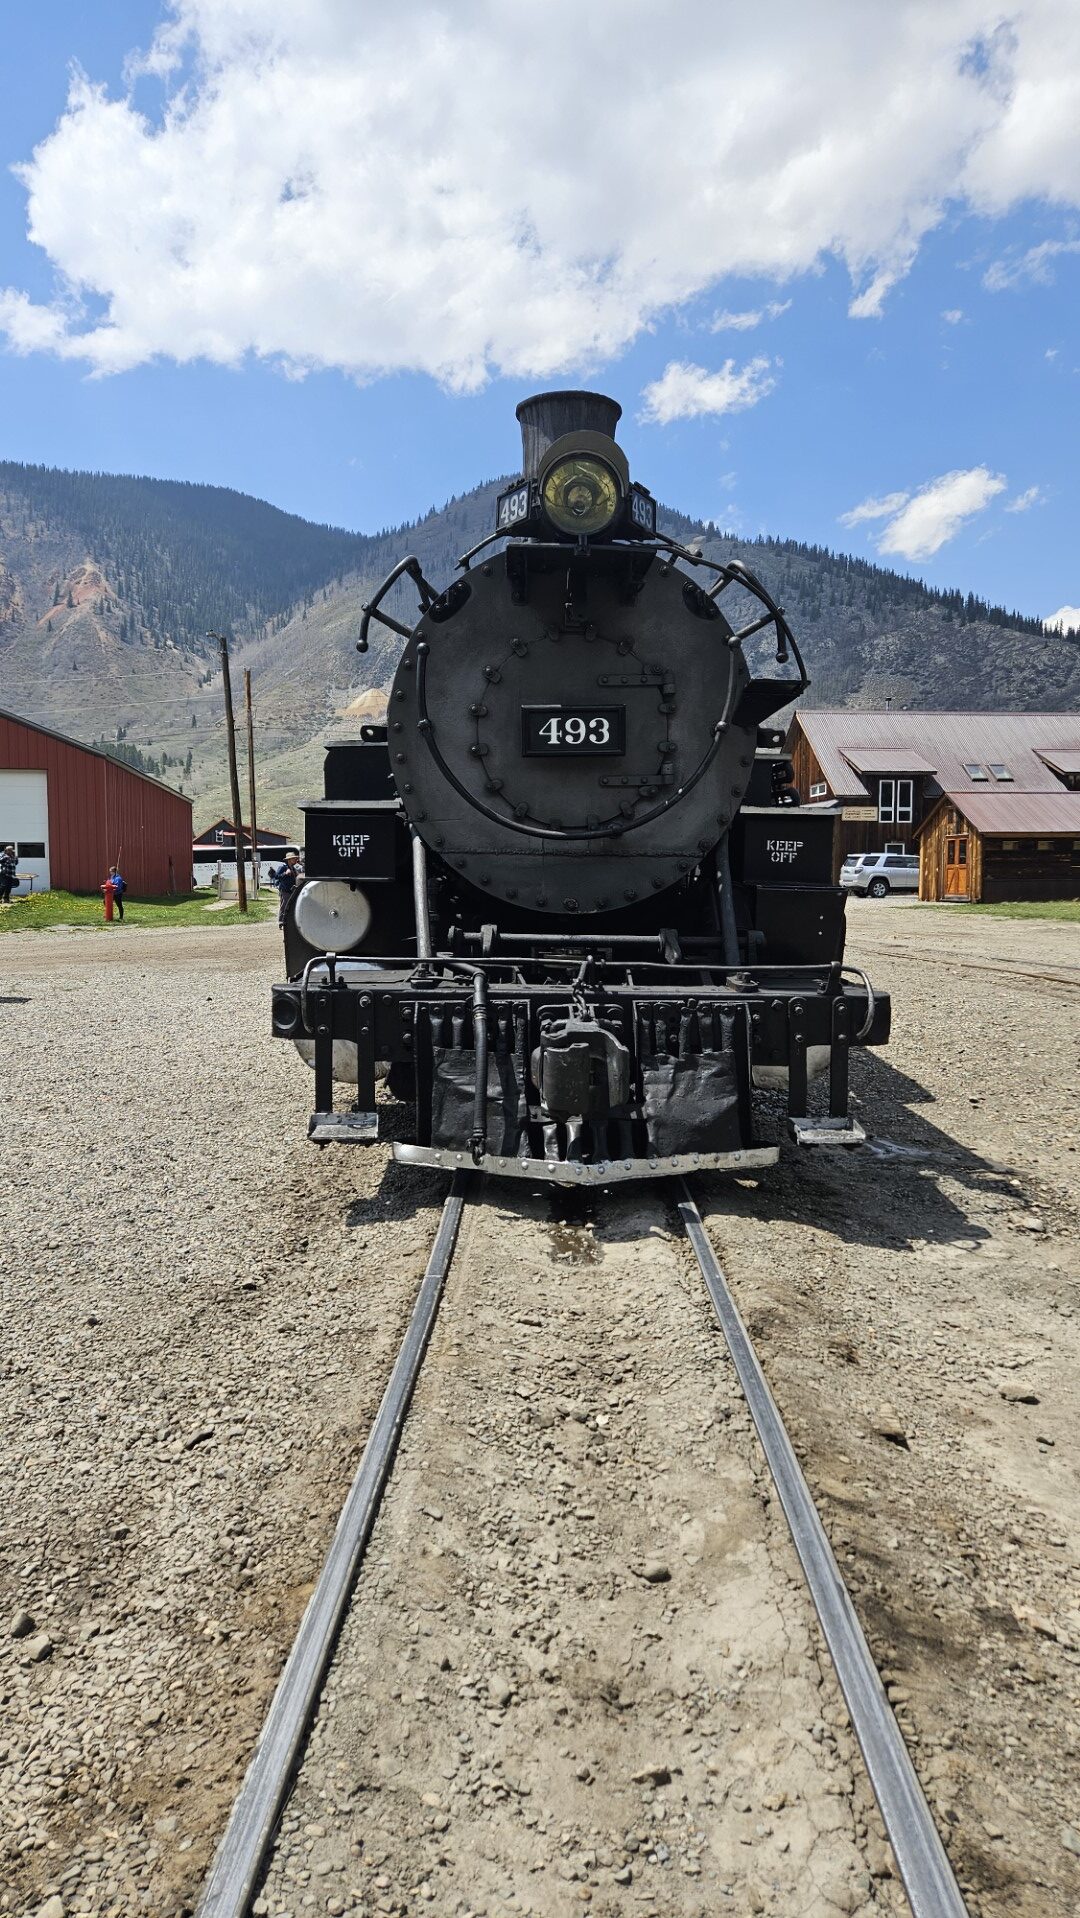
[[196, 1334], [200, 1314]]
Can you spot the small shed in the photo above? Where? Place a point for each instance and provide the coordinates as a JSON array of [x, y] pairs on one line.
[[995, 846], [72, 810], [990, 800]]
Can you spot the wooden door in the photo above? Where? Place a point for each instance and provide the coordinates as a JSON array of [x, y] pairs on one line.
[[956, 866]]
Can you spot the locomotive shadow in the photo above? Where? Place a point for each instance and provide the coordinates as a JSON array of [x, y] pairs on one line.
[[891, 1192], [403, 1190], [888, 1193]]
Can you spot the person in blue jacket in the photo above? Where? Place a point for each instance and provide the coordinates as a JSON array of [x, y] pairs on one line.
[[286, 879], [119, 887]]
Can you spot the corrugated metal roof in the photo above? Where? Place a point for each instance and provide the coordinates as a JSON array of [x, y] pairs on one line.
[[883, 759], [1063, 759], [948, 740], [1046, 814]]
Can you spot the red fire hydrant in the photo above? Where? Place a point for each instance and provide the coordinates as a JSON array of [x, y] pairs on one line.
[[107, 889]]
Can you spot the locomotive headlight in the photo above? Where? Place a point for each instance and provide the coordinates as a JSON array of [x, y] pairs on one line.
[[332, 915], [581, 494]]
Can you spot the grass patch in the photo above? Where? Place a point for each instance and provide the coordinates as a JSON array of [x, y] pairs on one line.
[[40, 910], [1067, 910]]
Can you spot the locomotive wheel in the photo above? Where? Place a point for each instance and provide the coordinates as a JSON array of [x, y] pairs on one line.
[[878, 888]]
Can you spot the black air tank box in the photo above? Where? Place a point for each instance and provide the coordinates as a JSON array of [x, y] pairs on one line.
[[359, 768], [353, 839], [785, 845], [800, 925]]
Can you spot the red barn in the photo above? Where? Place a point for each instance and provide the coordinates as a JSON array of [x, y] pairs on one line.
[[70, 810]]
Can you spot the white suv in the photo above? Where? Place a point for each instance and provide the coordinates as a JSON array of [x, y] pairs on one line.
[[879, 873]]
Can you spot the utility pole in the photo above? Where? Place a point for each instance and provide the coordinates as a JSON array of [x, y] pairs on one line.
[[234, 782], [251, 780]]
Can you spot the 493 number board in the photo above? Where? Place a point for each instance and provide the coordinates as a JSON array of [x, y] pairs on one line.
[[576, 731]]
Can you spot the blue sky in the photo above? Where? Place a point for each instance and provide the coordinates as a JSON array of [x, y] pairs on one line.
[[320, 261]]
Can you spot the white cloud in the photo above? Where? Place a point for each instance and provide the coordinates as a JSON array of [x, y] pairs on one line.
[[1065, 620], [875, 509], [726, 322], [935, 514], [1034, 496], [953, 314], [918, 524], [685, 392], [1036, 264], [378, 189]]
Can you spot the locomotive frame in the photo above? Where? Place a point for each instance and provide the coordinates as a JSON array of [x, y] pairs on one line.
[[607, 1031]]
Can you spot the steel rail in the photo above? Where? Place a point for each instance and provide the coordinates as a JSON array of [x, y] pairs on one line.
[[998, 968], [234, 1874], [925, 1871]]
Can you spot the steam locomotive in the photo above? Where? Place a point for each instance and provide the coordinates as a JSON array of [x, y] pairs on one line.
[[565, 901]]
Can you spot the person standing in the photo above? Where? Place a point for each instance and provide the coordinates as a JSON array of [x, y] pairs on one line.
[[286, 879], [9, 874], [119, 887]]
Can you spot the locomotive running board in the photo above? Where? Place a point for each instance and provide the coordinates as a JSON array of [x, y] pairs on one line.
[[603, 1172]]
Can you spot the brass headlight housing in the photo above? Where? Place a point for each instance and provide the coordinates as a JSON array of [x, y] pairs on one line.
[[581, 494]]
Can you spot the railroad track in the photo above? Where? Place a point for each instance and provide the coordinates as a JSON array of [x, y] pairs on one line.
[[237, 1869], [1062, 974]]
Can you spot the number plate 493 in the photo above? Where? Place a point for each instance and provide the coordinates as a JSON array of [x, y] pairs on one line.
[[574, 730]]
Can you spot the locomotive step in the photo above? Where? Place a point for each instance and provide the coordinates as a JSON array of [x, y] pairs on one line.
[[343, 1128], [844, 1132]]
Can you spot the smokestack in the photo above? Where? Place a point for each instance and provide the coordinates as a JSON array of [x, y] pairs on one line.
[[547, 416]]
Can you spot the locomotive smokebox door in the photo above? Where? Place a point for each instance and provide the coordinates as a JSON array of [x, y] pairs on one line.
[[569, 744]]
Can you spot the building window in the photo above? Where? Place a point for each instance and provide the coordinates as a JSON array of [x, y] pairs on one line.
[[975, 771], [1010, 845], [819, 789], [1000, 772], [1045, 845], [31, 849], [895, 845], [896, 802]]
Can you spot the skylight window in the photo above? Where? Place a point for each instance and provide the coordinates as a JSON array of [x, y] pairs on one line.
[[999, 772], [976, 772]]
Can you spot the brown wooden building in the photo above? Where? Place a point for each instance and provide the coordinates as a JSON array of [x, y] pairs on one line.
[[991, 802]]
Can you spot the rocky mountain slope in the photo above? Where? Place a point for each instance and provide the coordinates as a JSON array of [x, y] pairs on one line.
[[109, 584]]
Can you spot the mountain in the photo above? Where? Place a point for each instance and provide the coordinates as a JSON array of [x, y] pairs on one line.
[[109, 584]]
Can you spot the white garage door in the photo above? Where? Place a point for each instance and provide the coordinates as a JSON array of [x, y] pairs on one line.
[[24, 824]]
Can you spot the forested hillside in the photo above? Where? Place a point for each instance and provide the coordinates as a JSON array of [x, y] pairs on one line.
[[177, 559], [109, 584]]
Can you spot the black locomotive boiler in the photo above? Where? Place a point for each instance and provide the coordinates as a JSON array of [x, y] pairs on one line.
[[564, 900]]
